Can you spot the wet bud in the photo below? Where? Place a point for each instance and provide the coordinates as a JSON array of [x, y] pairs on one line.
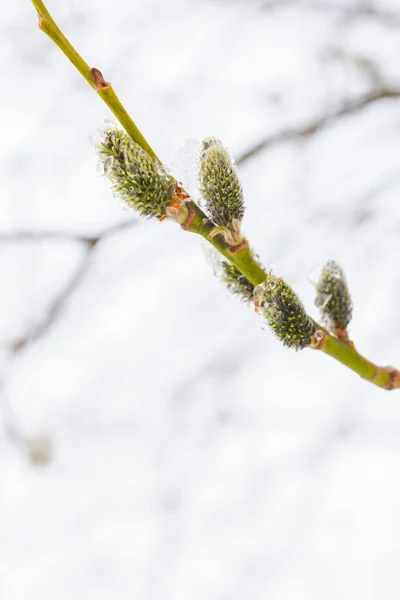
[[236, 282], [333, 297], [135, 176], [284, 313], [219, 184]]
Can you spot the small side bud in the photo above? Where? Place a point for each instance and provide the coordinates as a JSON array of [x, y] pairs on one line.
[[221, 190], [236, 282], [333, 297], [284, 313], [136, 177]]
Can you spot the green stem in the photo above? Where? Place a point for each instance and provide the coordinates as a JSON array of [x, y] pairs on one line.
[[92, 76], [344, 352], [243, 260]]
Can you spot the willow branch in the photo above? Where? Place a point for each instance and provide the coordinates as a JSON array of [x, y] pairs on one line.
[[198, 222]]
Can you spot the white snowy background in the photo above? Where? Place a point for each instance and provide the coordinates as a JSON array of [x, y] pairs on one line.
[[192, 456]]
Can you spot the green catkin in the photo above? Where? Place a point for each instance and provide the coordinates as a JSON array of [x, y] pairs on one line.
[[284, 313], [333, 297], [136, 177], [219, 184], [236, 282]]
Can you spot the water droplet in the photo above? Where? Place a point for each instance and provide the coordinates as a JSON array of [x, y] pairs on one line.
[[265, 326]]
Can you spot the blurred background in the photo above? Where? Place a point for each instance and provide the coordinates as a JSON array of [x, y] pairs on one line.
[[155, 442]]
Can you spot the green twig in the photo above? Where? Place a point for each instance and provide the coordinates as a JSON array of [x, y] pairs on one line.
[[197, 221], [345, 352], [93, 76]]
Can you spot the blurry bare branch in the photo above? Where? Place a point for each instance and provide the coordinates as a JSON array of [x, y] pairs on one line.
[[54, 235], [13, 237], [346, 11], [348, 108], [11, 424], [58, 303], [39, 448]]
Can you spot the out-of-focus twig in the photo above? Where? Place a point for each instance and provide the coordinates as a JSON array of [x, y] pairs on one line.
[[11, 425], [346, 12], [58, 303], [38, 448], [348, 108]]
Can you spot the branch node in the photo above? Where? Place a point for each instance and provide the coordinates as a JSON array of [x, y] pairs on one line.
[[42, 18], [342, 334], [100, 82], [19, 344], [91, 242], [239, 247], [394, 378], [318, 340], [188, 222]]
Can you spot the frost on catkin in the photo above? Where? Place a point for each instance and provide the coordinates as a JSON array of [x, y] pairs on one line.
[[333, 297], [136, 177], [219, 184], [236, 282], [284, 313]]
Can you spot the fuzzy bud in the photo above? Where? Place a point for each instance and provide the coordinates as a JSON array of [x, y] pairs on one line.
[[136, 177], [219, 184], [333, 297], [236, 282], [284, 313]]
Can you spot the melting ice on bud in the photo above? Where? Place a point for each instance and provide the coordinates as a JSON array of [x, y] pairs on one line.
[[184, 167], [135, 176], [220, 185], [322, 300], [213, 258], [333, 296], [284, 312], [236, 282]]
